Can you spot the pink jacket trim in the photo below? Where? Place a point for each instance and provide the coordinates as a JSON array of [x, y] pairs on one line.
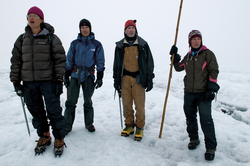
[[182, 65], [213, 80], [204, 65]]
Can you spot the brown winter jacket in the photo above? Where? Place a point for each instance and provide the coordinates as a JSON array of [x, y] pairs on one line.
[[200, 68], [33, 59]]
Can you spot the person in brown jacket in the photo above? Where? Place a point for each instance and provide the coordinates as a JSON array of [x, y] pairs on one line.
[[38, 60], [200, 85]]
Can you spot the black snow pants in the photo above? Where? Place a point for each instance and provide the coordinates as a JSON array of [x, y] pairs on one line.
[[73, 94], [35, 93], [192, 103]]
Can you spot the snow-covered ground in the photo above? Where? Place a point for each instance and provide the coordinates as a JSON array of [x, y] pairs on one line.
[[107, 148]]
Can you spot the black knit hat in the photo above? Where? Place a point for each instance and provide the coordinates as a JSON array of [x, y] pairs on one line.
[[84, 22]]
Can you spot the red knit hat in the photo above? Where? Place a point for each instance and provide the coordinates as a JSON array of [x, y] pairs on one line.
[[192, 34], [37, 11], [129, 23]]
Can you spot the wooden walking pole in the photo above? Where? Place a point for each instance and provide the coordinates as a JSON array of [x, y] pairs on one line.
[[170, 73]]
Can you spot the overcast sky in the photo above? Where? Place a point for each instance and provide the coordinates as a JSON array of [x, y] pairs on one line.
[[224, 24]]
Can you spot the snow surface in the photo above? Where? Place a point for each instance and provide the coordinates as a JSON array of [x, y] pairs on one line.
[[106, 147]]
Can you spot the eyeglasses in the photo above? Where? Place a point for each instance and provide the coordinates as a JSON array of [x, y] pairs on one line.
[[32, 15]]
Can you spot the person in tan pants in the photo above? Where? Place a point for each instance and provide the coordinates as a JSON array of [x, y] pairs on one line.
[[133, 74]]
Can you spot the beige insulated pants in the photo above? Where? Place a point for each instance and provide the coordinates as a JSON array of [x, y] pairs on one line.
[[131, 91]]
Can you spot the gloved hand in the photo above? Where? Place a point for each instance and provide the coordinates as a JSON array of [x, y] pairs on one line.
[[18, 88], [117, 87], [149, 86], [209, 96], [66, 82], [173, 50], [58, 86], [66, 78], [98, 83], [177, 58], [212, 87]]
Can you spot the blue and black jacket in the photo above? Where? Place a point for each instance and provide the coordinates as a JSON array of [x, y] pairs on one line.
[[85, 53]]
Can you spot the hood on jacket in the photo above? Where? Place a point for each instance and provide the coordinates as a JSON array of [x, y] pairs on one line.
[[46, 29]]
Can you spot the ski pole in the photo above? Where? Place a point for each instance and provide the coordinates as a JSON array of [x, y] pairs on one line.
[[119, 93], [170, 72], [25, 116]]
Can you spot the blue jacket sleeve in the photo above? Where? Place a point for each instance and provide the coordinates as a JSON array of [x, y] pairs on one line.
[[100, 60]]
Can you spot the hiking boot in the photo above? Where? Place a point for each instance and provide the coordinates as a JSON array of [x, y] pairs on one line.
[[209, 155], [43, 141], [58, 147], [91, 128], [193, 143], [127, 131], [138, 134]]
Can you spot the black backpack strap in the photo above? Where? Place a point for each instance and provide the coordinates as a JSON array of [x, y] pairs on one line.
[[51, 37]]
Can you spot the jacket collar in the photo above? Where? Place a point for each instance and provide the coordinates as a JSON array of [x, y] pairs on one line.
[[202, 49], [83, 38]]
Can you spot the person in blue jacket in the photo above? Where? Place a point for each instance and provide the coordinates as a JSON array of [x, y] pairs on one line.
[[85, 55]]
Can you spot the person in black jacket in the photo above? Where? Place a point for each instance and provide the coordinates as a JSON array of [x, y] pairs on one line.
[[39, 62], [133, 74]]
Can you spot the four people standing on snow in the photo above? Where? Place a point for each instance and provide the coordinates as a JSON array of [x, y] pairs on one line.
[[84, 56], [200, 87], [133, 74], [39, 62]]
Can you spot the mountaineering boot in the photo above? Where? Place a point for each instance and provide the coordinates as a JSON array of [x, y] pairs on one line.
[[43, 141], [127, 131], [58, 147], [91, 128], [138, 134], [209, 155], [193, 143]]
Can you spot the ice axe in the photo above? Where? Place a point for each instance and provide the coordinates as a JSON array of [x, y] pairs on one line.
[[25, 114], [119, 95]]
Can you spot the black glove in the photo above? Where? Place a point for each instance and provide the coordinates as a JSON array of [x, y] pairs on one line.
[[66, 82], [58, 87], [18, 88], [98, 82], [173, 50], [149, 86], [66, 79], [213, 86], [177, 58], [117, 87], [209, 96]]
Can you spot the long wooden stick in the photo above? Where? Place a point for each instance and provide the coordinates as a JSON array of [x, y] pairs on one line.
[[170, 73]]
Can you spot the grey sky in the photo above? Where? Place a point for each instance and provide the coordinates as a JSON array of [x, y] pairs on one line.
[[224, 24]]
